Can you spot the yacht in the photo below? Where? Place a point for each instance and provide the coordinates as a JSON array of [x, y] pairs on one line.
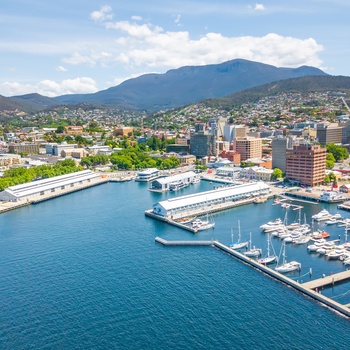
[[322, 215], [287, 266], [177, 185], [238, 244]]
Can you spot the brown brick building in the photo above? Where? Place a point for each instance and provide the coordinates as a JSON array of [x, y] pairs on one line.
[[306, 164]]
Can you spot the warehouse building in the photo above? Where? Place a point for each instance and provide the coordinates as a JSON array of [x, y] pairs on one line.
[[35, 189], [184, 204]]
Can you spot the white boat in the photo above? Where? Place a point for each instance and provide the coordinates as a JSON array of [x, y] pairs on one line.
[[272, 224], [331, 221], [238, 244], [334, 254], [287, 266], [268, 259], [178, 185], [322, 215], [252, 252], [201, 225], [196, 180], [302, 239]]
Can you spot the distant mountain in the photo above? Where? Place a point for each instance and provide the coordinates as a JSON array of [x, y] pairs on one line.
[[29, 103], [186, 85], [302, 85]]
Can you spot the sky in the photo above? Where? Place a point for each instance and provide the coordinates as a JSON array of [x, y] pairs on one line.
[[82, 46]]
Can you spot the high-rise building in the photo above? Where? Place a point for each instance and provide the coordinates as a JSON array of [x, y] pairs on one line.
[[232, 131], [306, 164], [248, 147], [202, 142], [329, 133], [279, 147]]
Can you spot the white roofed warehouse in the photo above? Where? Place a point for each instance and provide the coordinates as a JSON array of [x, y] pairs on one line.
[[34, 190], [183, 204]]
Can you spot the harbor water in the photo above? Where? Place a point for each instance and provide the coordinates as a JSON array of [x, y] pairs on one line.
[[83, 271]]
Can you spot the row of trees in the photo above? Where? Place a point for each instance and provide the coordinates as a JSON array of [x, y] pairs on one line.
[[17, 176], [131, 158]]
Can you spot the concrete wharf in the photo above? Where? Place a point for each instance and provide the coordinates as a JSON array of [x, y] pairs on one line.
[[183, 243], [328, 280]]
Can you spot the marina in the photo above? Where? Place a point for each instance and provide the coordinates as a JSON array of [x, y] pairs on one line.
[[79, 268]]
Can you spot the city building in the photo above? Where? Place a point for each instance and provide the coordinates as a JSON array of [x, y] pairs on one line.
[[248, 147], [329, 133], [56, 149], [233, 131], [8, 160], [24, 148], [279, 147], [202, 142], [73, 130], [306, 164], [123, 131]]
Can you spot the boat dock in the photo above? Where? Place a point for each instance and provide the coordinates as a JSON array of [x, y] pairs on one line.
[[183, 243], [328, 280]]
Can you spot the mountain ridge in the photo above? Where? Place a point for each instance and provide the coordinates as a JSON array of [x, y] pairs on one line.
[[176, 88]]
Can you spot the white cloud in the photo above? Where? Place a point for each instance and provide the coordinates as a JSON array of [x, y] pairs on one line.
[[61, 69], [136, 18], [259, 7], [51, 88], [102, 15], [145, 46], [177, 19]]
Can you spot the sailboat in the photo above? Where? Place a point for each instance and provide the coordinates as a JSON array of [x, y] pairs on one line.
[[269, 259], [252, 252], [287, 266], [238, 244]]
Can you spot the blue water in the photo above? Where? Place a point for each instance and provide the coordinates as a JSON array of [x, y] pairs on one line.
[[83, 272]]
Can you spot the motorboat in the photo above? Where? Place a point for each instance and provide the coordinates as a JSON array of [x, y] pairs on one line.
[[196, 180], [334, 254], [320, 235], [177, 185], [201, 225], [331, 221], [302, 239], [272, 224], [322, 215]]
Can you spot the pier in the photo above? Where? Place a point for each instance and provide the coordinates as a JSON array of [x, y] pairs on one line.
[[304, 288], [328, 280], [183, 243]]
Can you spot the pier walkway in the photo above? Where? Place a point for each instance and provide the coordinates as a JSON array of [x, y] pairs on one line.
[[183, 243], [328, 280]]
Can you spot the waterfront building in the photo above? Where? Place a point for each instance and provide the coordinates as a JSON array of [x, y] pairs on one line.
[[306, 164], [279, 147], [200, 200], [147, 175], [329, 133], [35, 189], [248, 147], [202, 142], [164, 183], [256, 173]]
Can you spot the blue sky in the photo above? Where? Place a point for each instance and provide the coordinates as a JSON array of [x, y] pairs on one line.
[[82, 46]]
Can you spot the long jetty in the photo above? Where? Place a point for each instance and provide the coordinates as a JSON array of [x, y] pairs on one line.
[[304, 288], [183, 243]]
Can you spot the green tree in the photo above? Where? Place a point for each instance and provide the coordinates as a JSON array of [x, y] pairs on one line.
[[330, 160], [276, 174]]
